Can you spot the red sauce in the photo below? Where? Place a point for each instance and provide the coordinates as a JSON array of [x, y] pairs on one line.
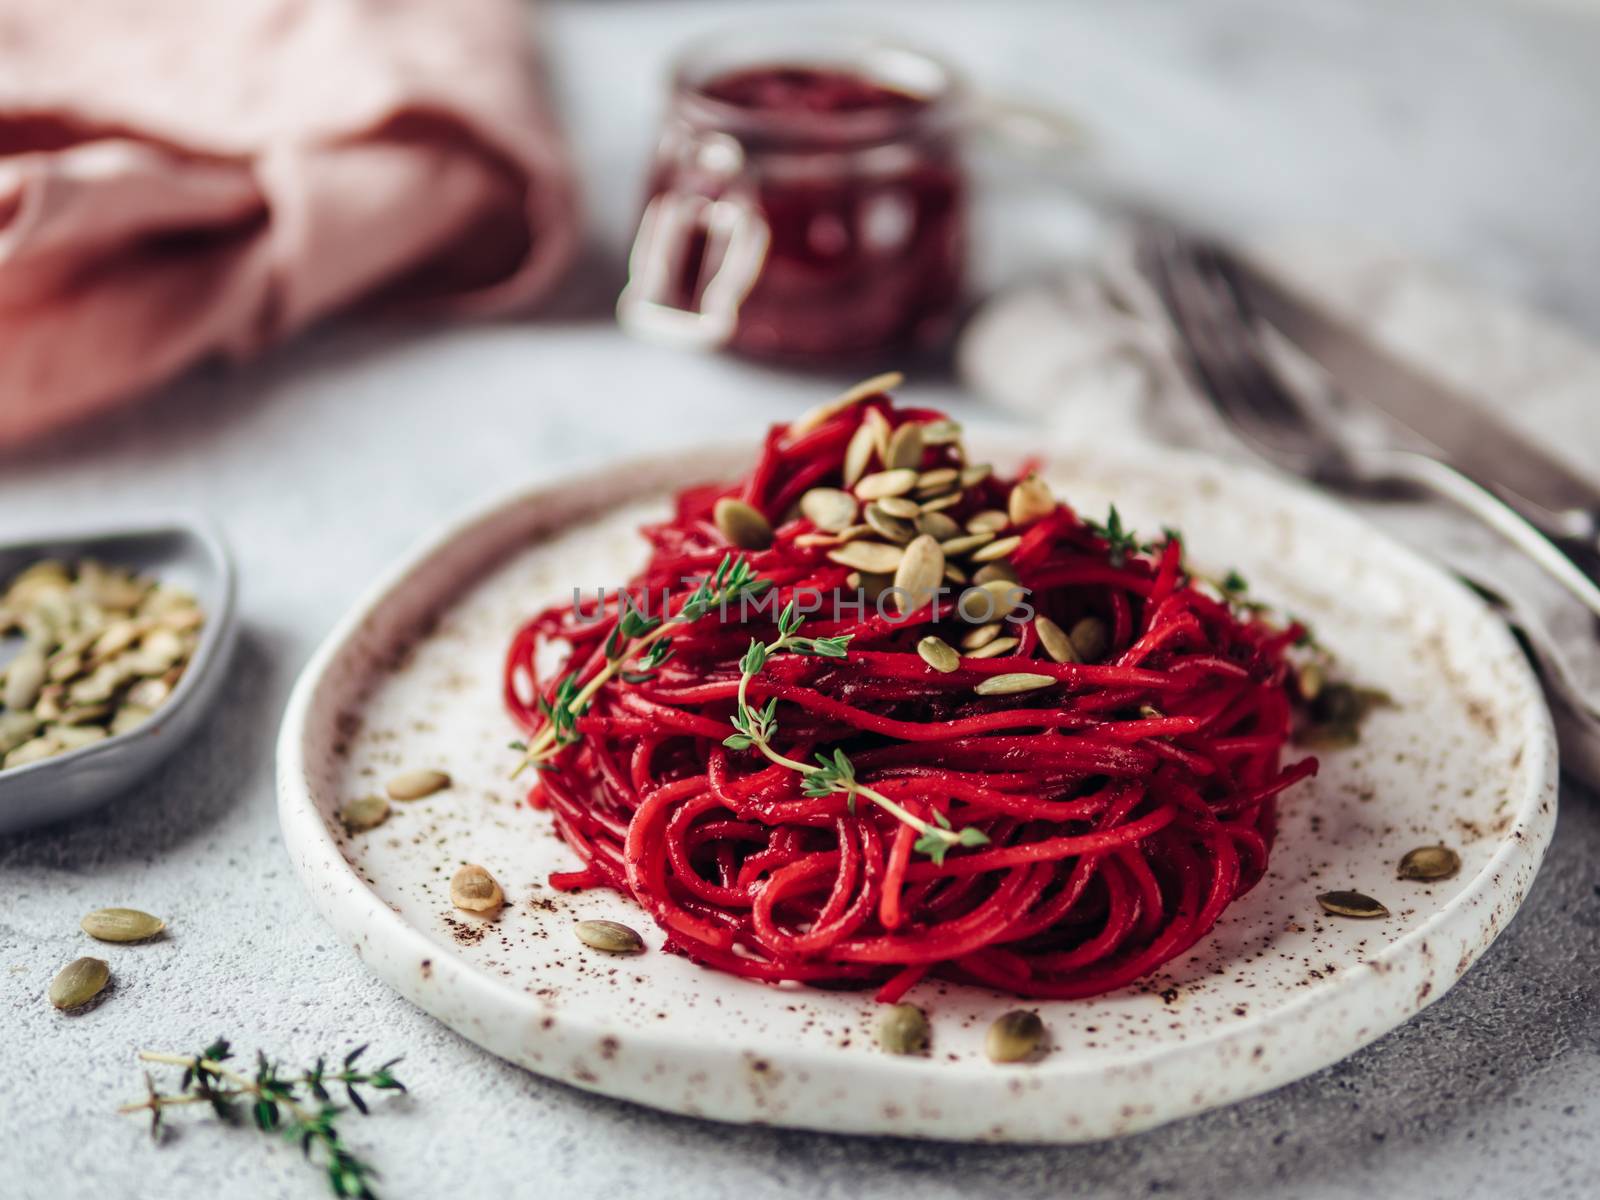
[[863, 195]]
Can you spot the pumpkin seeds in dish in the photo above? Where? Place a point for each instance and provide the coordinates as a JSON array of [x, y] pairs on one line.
[[1091, 638], [899, 506], [886, 483], [938, 481], [1054, 639], [919, 573], [829, 509], [121, 925], [938, 526], [995, 648], [982, 635], [873, 558], [1029, 500], [905, 446], [990, 520], [858, 454], [611, 936], [816, 417], [363, 814], [996, 550], [894, 529], [940, 503], [967, 544]]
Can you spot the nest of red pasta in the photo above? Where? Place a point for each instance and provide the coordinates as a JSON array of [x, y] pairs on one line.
[[875, 713]]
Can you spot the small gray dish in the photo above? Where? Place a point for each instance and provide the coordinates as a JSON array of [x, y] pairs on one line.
[[180, 550]]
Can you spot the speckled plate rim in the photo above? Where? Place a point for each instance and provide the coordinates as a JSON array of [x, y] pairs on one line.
[[1265, 1050]]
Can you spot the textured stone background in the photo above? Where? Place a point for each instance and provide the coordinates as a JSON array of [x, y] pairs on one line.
[[1460, 130]]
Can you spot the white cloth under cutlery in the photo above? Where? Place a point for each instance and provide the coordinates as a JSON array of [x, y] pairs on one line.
[[1089, 349]]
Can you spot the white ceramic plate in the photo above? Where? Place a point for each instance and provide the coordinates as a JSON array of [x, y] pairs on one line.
[[411, 678]]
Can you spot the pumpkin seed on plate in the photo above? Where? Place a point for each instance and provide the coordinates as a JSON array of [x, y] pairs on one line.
[[899, 506], [941, 432], [1015, 1037], [940, 503], [472, 888], [24, 679], [858, 454], [1054, 639], [742, 524], [903, 1029], [990, 520], [990, 601], [955, 574], [611, 936], [829, 509], [967, 543], [79, 982], [938, 654], [938, 480], [1016, 681], [976, 474], [996, 550], [989, 572], [886, 483], [363, 814], [414, 785], [982, 635], [1430, 862], [875, 558], [16, 729], [33, 751], [121, 925], [1351, 904]]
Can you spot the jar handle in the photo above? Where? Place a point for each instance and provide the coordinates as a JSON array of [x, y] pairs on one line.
[[735, 239]]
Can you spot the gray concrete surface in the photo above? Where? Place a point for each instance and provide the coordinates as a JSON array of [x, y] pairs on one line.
[[1462, 131]]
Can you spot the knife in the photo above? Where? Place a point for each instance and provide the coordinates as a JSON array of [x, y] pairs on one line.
[[1462, 431]]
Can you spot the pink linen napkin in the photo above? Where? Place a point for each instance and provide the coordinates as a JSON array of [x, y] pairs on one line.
[[188, 178]]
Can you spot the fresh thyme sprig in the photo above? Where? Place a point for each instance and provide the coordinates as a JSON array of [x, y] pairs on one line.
[[755, 727], [299, 1108], [644, 639]]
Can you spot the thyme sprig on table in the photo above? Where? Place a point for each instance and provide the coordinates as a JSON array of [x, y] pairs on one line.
[[299, 1108], [755, 726], [644, 639]]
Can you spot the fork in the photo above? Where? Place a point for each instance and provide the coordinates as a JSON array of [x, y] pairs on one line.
[[1227, 356]]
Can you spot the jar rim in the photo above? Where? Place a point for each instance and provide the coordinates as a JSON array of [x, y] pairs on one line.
[[883, 58]]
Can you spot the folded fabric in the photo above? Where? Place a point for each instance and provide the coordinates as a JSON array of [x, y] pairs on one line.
[[181, 179], [1092, 350]]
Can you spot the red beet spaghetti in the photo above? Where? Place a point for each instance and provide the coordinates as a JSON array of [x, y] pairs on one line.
[[1052, 795]]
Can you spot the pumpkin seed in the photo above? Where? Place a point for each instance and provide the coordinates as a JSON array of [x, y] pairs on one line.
[[967, 543], [414, 785], [990, 520], [829, 508], [858, 454], [1016, 681], [1030, 500], [886, 483], [129, 717], [24, 679], [1311, 679], [76, 737], [742, 524], [937, 526], [874, 558], [938, 480], [611, 936], [940, 503], [938, 654], [812, 540], [919, 573], [995, 648], [990, 601], [79, 982], [1091, 637], [941, 433], [1430, 862], [996, 550], [149, 693], [955, 574], [982, 635], [118, 636], [121, 925], [903, 1030], [899, 506], [974, 475], [1351, 904], [16, 729], [881, 432], [905, 446], [893, 528], [1014, 1037], [472, 888], [813, 418], [368, 812], [33, 751], [1054, 639], [999, 569]]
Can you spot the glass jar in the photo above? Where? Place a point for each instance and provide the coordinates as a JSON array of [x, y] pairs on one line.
[[807, 202]]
